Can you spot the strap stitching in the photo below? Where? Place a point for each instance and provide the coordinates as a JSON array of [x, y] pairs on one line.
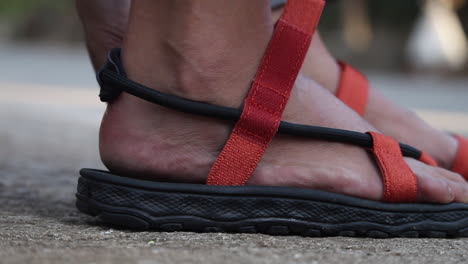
[[268, 87], [264, 68]]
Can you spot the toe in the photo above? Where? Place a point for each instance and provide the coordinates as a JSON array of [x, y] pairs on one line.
[[455, 181], [438, 185], [434, 190]]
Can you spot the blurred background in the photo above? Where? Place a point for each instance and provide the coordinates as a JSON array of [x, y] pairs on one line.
[[383, 35], [405, 36]]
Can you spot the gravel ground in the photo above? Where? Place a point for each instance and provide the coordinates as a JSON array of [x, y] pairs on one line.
[[48, 130]]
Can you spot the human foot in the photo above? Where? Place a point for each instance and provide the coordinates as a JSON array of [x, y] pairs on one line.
[[160, 144], [184, 148], [138, 138]]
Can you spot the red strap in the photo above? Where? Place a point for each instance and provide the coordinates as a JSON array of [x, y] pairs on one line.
[[428, 160], [353, 89], [400, 183], [264, 106], [461, 160]]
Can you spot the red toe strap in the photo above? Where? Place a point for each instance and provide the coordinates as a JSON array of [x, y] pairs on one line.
[[461, 160], [400, 183], [353, 89]]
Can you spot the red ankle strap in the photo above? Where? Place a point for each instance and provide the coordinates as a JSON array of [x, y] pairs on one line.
[[264, 106], [353, 89]]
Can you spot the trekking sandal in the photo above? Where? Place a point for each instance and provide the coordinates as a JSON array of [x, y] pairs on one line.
[[353, 90], [225, 204]]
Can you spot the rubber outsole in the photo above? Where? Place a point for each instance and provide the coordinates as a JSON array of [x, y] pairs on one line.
[[169, 207]]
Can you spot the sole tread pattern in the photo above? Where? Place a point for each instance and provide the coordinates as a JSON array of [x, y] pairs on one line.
[[130, 221], [134, 209]]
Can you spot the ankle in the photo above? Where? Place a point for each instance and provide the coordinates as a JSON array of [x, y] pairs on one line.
[[178, 59], [209, 80]]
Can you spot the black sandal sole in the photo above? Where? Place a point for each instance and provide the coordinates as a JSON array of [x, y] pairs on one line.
[[147, 205]]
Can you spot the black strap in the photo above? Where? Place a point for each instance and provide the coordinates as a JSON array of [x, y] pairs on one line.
[[113, 81], [108, 91]]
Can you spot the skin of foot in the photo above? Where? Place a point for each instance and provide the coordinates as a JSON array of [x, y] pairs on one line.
[[207, 55]]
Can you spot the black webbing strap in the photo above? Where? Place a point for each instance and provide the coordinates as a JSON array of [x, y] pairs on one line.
[[113, 81]]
